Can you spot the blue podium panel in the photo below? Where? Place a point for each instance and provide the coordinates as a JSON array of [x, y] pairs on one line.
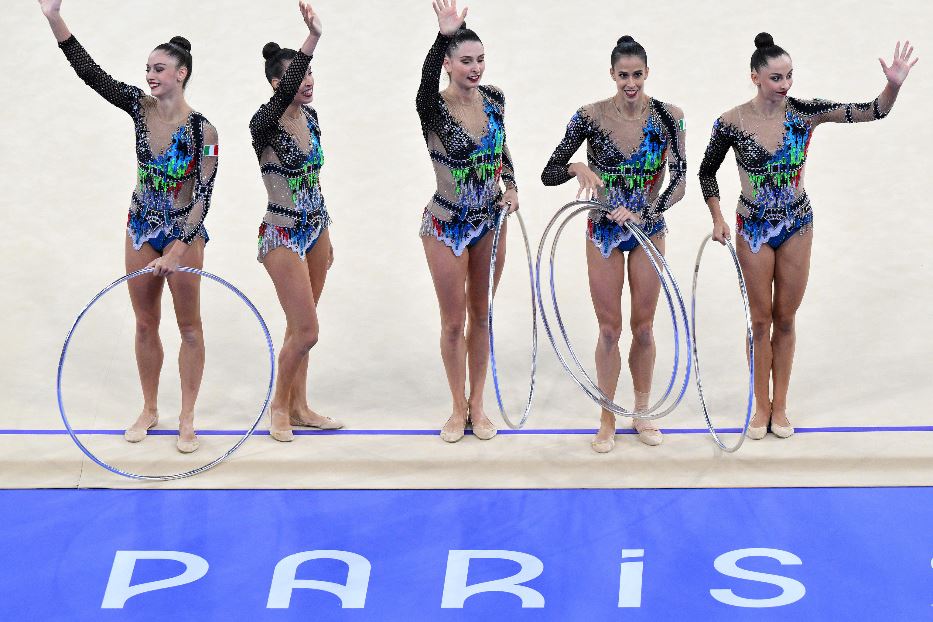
[[721, 554]]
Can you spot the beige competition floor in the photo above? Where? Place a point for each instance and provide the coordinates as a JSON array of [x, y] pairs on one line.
[[864, 334]]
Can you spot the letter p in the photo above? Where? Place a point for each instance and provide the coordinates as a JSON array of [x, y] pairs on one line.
[[119, 589]]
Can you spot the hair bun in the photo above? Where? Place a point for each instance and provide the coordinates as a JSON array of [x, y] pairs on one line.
[[764, 40], [181, 42], [625, 39], [270, 49]]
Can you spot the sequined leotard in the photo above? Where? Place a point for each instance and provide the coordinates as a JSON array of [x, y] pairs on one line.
[[771, 156], [176, 165], [290, 164], [468, 169], [629, 158]]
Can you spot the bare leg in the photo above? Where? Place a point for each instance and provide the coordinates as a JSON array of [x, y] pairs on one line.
[[186, 299], [449, 274], [607, 279], [645, 287], [290, 276], [145, 296], [759, 278], [477, 335], [791, 271], [299, 411]]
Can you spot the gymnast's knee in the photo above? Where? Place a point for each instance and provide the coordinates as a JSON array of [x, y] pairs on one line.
[[643, 334], [191, 332], [784, 323], [452, 330], [761, 328], [304, 338], [478, 312], [609, 333], [147, 326]]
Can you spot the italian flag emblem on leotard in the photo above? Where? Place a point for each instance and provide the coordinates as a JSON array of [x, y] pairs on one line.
[[211, 150]]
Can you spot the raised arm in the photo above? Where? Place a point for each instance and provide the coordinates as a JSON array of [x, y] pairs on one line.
[[673, 119], [52, 11], [896, 74], [267, 117], [426, 100], [719, 144], [118, 93], [448, 22]]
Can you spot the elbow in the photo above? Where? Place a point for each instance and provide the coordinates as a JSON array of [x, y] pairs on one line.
[[553, 176], [679, 195], [423, 104], [254, 125], [680, 190]]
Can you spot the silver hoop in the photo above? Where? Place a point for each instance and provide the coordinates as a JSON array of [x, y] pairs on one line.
[[589, 386], [216, 461], [573, 355], [503, 214], [751, 347]]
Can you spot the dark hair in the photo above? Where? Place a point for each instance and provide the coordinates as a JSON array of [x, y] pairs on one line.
[[179, 48], [277, 58], [765, 50], [462, 35], [627, 46]]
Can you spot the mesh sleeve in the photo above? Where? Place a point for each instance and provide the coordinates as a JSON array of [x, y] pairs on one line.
[[555, 171], [673, 120], [824, 111], [204, 181], [263, 124], [426, 100], [120, 94], [716, 150]]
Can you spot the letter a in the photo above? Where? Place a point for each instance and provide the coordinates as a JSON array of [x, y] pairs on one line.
[[352, 595]]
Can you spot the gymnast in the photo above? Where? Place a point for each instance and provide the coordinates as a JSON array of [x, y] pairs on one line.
[[630, 136], [464, 128], [176, 154], [294, 243], [771, 135]]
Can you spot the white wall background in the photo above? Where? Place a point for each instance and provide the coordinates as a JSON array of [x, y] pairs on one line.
[[68, 168]]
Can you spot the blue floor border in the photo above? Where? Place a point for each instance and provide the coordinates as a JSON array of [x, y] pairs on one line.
[[513, 555]]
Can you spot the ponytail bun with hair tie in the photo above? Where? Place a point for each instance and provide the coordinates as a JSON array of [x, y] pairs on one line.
[[763, 40], [179, 48], [277, 59], [765, 50], [270, 49], [181, 42], [628, 46]]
